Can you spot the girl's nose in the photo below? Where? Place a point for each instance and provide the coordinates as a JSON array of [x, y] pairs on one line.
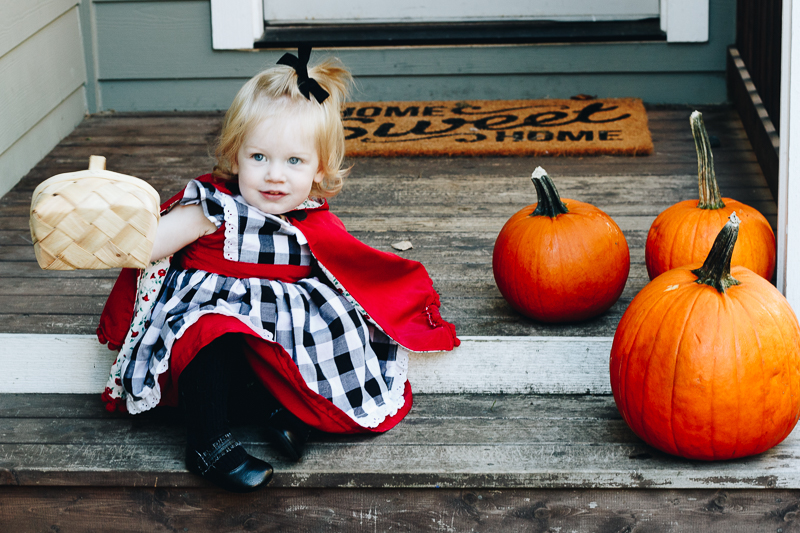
[[274, 174]]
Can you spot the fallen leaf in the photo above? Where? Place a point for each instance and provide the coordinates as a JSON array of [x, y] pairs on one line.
[[402, 245]]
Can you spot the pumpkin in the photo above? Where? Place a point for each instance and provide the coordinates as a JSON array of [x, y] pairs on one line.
[[560, 260], [684, 232], [705, 362]]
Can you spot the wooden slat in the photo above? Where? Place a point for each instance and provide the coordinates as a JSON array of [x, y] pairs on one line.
[[616, 195], [454, 441], [439, 406], [415, 466], [130, 160], [19, 286], [377, 509], [32, 273], [48, 324], [413, 432]]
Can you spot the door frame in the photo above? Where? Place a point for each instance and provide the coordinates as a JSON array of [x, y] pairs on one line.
[[238, 24]]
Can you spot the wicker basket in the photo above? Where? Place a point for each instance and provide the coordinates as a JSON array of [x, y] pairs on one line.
[[93, 219]]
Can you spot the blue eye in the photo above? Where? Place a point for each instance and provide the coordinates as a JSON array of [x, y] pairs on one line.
[[294, 161], [258, 157]]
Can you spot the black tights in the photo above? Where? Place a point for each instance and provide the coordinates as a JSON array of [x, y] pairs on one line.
[[206, 384], [204, 387], [217, 383]]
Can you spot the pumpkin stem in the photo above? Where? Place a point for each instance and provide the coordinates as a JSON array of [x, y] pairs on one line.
[[710, 197], [550, 203], [716, 271]]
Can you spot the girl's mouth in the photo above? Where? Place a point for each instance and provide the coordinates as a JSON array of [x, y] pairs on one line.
[[273, 194]]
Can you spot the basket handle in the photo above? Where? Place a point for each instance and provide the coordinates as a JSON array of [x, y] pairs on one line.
[[97, 162]]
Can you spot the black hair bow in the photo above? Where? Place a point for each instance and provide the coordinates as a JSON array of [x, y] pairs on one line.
[[306, 85]]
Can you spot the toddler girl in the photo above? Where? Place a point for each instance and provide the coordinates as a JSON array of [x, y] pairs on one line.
[[249, 265]]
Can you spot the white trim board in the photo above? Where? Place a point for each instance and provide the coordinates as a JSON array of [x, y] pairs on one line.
[[685, 21], [423, 11], [237, 24], [79, 364], [788, 275]]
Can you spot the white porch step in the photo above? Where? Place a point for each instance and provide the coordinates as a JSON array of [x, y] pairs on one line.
[[78, 364]]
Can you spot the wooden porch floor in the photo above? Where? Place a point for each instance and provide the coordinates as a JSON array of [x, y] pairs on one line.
[[451, 209], [492, 461]]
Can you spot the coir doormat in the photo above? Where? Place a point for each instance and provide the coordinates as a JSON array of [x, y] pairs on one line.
[[498, 127]]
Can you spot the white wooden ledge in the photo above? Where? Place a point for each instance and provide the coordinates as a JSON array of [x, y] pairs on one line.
[[515, 365]]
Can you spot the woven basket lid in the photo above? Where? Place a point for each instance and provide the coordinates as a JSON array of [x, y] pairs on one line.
[[93, 219]]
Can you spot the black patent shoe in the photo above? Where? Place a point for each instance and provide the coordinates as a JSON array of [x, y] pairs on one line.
[[288, 433], [251, 474]]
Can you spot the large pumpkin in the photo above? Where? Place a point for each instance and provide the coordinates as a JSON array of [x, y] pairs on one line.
[[684, 232], [560, 260], [705, 362]]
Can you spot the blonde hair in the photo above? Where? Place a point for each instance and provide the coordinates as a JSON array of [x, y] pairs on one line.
[[274, 92]]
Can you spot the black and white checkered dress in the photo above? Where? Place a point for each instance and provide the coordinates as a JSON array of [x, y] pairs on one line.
[[340, 356]]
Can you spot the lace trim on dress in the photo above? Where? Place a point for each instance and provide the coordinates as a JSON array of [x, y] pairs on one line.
[[196, 193], [149, 285], [401, 356]]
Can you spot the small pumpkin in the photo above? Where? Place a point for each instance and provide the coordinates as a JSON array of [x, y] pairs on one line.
[[560, 260], [705, 361], [684, 232]]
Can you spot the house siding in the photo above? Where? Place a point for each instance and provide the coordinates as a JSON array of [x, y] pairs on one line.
[[157, 56], [42, 76]]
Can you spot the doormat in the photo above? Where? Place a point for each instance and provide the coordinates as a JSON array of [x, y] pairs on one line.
[[615, 126]]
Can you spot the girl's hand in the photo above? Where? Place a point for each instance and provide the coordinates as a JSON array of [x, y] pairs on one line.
[[178, 228]]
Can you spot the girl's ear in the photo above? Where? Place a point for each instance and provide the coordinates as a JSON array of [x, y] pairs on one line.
[[320, 176], [234, 167]]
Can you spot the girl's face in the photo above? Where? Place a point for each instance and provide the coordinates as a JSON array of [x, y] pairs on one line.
[[277, 165]]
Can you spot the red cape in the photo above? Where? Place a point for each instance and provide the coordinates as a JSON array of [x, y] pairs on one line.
[[396, 293]]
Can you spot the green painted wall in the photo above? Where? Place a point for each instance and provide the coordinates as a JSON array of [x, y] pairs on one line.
[[157, 55], [42, 80]]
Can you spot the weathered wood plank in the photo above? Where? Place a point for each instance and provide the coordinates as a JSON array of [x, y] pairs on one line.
[[48, 324], [669, 139], [75, 304], [328, 465], [485, 325], [457, 405], [170, 138], [454, 441], [359, 510], [413, 432], [379, 223], [615, 195], [55, 287], [32, 273], [143, 160], [479, 192], [467, 288]]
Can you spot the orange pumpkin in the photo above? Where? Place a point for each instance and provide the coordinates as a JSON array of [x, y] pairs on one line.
[[684, 232], [705, 362], [560, 260]]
